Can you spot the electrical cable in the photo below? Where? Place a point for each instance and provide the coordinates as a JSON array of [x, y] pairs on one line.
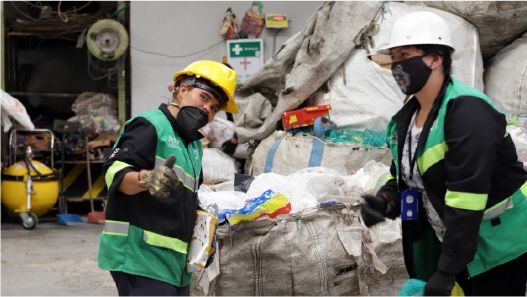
[[176, 57], [17, 9], [106, 72], [29, 3], [60, 15], [64, 16]]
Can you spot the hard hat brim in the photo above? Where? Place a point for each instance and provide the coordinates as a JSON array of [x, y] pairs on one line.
[[230, 105], [385, 50]]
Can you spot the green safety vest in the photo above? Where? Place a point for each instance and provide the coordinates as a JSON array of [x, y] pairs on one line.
[[131, 249], [496, 244]]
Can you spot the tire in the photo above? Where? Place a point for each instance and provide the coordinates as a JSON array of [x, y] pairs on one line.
[[31, 223]]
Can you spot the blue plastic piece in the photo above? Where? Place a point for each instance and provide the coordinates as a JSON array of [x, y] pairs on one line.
[[69, 220]]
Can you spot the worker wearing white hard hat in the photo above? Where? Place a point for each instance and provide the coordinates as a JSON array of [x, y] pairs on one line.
[[455, 181]]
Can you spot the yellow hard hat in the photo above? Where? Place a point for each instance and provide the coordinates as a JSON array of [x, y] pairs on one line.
[[218, 74]]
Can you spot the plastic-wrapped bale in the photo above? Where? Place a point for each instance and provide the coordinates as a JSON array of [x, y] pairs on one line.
[[321, 251], [467, 64], [499, 22], [506, 78], [284, 154]]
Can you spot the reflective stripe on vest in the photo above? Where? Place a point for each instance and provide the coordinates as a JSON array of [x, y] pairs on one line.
[[498, 209], [116, 228], [506, 204], [188, 181], [165, 242]]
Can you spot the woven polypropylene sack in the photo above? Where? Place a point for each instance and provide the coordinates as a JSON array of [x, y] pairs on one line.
[[506, 78], [319, 252], [498, 22], [294, 153]]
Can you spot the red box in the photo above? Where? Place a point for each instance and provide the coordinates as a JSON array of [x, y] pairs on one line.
[[305, 116]]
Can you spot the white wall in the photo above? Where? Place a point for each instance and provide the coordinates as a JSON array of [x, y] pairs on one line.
[[183, 28]]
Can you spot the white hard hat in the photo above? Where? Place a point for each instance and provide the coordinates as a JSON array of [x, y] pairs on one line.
[[419, 27]]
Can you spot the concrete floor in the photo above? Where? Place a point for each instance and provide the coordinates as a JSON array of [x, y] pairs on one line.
[[53, 260]]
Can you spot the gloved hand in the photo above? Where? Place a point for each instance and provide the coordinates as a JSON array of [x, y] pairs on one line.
[[440, 284], [229, 147], [374, 209], [214, 247], [160, 181]]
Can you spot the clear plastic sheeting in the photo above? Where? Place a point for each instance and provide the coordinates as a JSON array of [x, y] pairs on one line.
[[306, 188], [97, 112], [298, 195], [12, 108]]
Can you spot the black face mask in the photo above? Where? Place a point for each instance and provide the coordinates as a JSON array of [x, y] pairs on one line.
[[191, 119], [411, 74]]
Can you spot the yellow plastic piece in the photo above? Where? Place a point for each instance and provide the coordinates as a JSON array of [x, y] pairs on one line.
[[276, 202], [14, 195], [457, 291], [219, 74]]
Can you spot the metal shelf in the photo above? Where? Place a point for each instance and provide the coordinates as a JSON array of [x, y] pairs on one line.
[[63, 95], [84, 162]]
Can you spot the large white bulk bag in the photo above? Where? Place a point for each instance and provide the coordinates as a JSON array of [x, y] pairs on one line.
[[217, 166], [467, 65], [362, 95], [292, 153], [498, 22], [506, 78]]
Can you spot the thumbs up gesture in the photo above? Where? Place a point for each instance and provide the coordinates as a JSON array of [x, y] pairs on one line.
[[160, 181]]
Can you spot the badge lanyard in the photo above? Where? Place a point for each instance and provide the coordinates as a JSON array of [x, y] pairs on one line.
[[410, 197], [411, 160]]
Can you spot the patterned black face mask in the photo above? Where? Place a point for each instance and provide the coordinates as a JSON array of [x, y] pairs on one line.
[[191, 118], [411, 74]]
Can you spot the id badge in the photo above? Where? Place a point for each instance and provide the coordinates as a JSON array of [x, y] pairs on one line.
[[409, 205]]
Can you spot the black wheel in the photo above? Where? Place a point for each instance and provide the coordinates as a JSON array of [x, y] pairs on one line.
[[31, 222]]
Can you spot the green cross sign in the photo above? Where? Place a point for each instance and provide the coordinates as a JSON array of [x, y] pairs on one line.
[[245, 49]]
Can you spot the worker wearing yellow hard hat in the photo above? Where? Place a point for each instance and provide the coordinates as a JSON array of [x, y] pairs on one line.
[[153, 176], [455, 181]]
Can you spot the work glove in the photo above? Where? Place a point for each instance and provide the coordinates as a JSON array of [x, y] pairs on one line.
[[440, 284], [374, 209], [229, 147], [214, 247], [160, 181]]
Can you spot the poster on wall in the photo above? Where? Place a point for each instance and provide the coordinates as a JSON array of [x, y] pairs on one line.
[[245, 56]]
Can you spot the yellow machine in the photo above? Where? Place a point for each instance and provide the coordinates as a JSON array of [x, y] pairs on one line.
[[30, 189]]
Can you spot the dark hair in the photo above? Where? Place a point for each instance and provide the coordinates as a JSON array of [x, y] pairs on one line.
[[439, 50]]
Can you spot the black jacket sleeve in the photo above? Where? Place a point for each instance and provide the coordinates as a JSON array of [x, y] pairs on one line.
[[135, 150], [474, 131]]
